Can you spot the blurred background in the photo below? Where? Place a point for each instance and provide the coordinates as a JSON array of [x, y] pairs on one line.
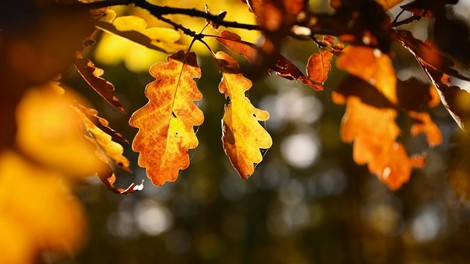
[[307, 202]]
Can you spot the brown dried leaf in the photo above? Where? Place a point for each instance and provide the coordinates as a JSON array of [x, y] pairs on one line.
[[283, 67], [91, 74]]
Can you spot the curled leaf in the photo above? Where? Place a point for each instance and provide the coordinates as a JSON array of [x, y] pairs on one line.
[[108, 178], [243, 136], [92, 74], [283, 67], [107, 150], [166, 123]]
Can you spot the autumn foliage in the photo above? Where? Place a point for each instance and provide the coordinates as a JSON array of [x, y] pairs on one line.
[[43, 119]]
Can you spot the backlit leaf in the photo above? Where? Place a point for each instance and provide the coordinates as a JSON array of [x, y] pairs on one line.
[[106, 149], [38, 208], [166, 123], [373, 130], [92, 74], [102, 123], [135, 28], [243, 136], [50, 131], [319, 66]]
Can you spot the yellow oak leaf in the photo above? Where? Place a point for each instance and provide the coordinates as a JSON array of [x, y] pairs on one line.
[[106, 148], [39, 202], [50, 132], [166, 123], [243, 136], [135, 28]]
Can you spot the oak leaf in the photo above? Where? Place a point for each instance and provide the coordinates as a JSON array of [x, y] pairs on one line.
[[50, 131], [41, 212], [166, 123], [319, 66], [135, 29], [110, 152], [243, 135], [92, 75], [373, 130]]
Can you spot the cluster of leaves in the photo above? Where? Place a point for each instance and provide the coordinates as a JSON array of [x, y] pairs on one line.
[[358, 32]]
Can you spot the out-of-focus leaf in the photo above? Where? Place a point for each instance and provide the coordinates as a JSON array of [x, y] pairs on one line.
[[447, 92], [372, 130], [135, 29], [428, 55], [423, 97], [319, 66], [166, 123], [372, 66], [427, 8], [424, 124], [387, 4], [243, 136], [92, 74], [283, 67], [39, 202], [50, 132]]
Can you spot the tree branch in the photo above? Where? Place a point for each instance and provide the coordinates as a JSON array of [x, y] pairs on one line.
[[159, 11]]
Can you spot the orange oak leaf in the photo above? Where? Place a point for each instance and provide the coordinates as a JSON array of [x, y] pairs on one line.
[[373, 130], [91, 74], [166, 122], [319, 66], [243, 135]]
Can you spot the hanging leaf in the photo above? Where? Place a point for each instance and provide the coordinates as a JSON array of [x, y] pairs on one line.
[[92, 74], [243, 136], [29, 192], [135, 29], [283, 67], [101, 123], [50, 131], [319, 66], [374, 137], [166, 122], [107, 150], [428, 55]]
